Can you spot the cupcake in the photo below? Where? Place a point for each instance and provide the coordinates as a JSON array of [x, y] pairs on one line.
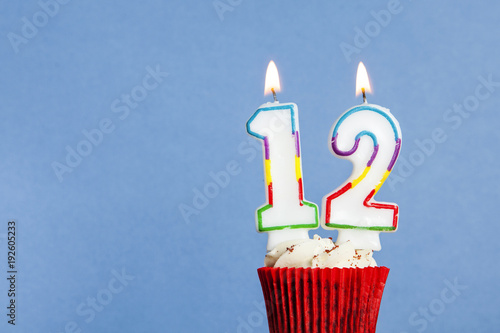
[[314, 285]]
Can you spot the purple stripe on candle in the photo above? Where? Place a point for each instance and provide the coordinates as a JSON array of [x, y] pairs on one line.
[[341, 152], [375, 151], [396, 153], [297, 144], [266, 147]]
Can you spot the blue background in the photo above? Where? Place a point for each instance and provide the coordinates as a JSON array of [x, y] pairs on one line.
[[118, 209]]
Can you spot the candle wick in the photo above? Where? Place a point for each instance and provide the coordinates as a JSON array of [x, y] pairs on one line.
[[364, 94], [274, 95]]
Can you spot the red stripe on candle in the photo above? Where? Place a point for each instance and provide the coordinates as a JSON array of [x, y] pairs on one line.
[[301, 192], [270, 193], [328, 209], [395, 208]]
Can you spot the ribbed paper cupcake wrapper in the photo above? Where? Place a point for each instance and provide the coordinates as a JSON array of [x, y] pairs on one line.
[[320, 300]]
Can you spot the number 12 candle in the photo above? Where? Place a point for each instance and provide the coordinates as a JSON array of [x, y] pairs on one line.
[[369, 136], [286, 215]]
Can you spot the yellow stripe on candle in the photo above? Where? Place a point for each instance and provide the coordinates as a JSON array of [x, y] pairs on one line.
[[298, 172], [267, 166], [360, 178], [386, 174]]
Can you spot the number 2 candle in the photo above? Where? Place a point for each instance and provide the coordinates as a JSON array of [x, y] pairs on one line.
[[369, 136], [286, 215]]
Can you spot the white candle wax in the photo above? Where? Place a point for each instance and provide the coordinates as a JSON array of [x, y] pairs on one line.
[[370, 137], [286, 215]]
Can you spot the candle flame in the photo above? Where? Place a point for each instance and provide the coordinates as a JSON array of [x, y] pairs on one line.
[[272, 79], [362, 80]]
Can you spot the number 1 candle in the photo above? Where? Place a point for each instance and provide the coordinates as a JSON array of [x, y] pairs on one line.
[[369, 136], [286, 215]]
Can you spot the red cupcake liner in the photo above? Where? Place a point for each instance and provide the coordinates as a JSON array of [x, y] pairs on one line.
[[320, 300]]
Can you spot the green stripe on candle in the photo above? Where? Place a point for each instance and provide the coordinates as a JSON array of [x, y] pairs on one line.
[[292, 226]]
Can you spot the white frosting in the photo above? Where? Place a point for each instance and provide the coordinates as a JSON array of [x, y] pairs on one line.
[[318, 253]]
